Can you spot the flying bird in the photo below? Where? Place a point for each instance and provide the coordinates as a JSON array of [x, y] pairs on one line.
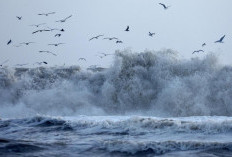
[[57, 35], [96, 37], [41, 63], [38, 24], [52, 29], [46, 14], [100, 56], [19, 17], [204, 44], [27, 43], [151, 34], [111, 38], [41, 30], [127, 29], [21, 64], [118, 42], [197, 51], [165, 7], [106, 54], [56, 44], [220, 40], [10, 41], [64, 20], [48, 52], [62, 30], [83, 59]]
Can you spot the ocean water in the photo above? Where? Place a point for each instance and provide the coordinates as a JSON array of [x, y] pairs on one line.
[[145, 104]]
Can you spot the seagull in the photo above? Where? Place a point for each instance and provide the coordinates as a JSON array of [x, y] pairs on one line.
[[118, 41], [197, 51], [38, 24], [127, 29], [48, 52], [4, 62], [26, 43], [111, 38], [46, 14], [106, 54], [10, 41], [56, 44], [82, 59], [165, 7], [21, 64], [41, 30], [64, 20], [19, 17], [220, 40], [100, 56], [96, 37], [41, 63], [57, 35], [151, 34], [52, 29], [204, 44]]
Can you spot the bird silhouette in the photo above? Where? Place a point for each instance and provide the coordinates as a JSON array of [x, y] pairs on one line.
[[111, 38], [21, 64], [165, 7], [197, 51], [56, 44], [48, 52], [46, 14], [37, 25], [52, 29], [106, 54], [62, 30], [19, 17], [9, 42], [41, 30], [96, 37], [204, 44], [27, 43], [57, 35], [83, 59], [64, 20], [127, 29], [151, 34], [220, 40], [118, 42]]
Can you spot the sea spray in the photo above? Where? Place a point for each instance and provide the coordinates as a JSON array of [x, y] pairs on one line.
[[155, 83]]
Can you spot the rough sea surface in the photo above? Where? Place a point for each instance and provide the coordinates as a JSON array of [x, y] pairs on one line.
[[145, 104]]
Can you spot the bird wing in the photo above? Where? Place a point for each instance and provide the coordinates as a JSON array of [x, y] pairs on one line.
[[163, 5], [92, 38], [51, 13], [8, 42], [222, 38], [68, 17]]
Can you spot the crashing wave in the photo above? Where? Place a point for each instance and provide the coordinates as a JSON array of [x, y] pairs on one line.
[[147, 83]]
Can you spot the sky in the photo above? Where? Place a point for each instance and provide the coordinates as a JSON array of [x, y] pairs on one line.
[[184, 27]]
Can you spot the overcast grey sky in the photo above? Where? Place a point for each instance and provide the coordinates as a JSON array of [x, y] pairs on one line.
[[183, 27]]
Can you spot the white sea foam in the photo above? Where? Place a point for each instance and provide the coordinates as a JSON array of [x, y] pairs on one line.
[[148, 83]]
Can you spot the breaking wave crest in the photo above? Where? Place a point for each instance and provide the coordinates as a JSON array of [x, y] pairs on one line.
[[147, 83]]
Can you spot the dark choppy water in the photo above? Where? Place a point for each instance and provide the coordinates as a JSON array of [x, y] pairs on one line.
[[116, 136]]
